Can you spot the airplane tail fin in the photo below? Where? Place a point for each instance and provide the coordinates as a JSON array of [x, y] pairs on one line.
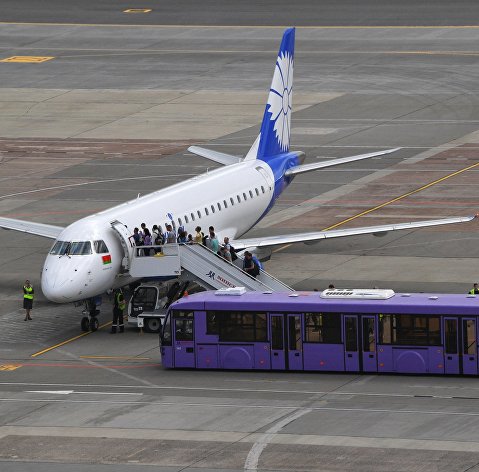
[[276, 126]]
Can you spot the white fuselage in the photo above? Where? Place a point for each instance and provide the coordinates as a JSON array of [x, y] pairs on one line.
[[231, 199]]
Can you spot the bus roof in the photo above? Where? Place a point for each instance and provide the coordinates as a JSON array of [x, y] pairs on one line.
[[287, 302]]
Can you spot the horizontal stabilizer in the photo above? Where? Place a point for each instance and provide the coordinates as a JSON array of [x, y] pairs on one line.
[[219, 157], [39, 229], [337, 233], [335, 162]]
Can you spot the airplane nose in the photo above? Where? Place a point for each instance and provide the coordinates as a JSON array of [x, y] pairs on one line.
[[56, 290]]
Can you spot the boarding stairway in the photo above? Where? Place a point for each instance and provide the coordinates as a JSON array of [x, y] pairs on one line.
[[198, 262]]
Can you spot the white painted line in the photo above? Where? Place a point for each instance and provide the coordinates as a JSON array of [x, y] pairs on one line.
[[74, 392], [252, 460]]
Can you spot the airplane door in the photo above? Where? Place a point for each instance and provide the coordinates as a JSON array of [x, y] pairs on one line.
[[278, 359], [451, 346], [370, 363], [124, 234], [351, 354], [469, 346]]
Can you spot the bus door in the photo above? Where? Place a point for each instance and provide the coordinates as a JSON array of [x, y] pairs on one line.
[[350, 334], [469, 346], [369, 353], [295, 342], [183, 338], [276, 327], [451, 345]]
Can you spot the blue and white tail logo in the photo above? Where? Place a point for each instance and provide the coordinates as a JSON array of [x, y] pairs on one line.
[[276, 126]]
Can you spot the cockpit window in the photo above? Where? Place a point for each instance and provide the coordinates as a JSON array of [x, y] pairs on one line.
[[80, 248], [100, 247], [59, 248], [71, 248]]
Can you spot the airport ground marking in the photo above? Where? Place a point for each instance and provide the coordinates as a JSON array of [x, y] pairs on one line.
[[138, 10], [128, 358], [262, 27], [27, 59], [48, 349], [393, 200], [9, 367]]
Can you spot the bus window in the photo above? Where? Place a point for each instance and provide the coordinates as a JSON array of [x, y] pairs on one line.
[[414, 330], [450, 336], [183, 325], [240, 326], [277, 333], [469, 329], [166, 334], [294, 333], [212, 318], [385, 328], [369, 335], [351, 334], [323, 328]]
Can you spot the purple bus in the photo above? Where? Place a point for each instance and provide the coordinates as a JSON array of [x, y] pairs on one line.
[[336, 330]]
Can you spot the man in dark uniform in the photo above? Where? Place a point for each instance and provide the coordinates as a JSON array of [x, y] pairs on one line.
[[27, 299], [118, 307]]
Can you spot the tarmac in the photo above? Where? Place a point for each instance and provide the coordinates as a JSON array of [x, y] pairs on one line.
[[111, 114]]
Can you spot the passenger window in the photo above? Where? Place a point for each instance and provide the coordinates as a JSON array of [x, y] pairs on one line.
[[251, 194], [206, 211], [184, 330], [257, 192], [262, 189], [179, 222], [232, 201], [199, 213], [219, 206], [294, 333], [369, 335], [212, 325], [186, 219], [192, 217], [239, 198], [225, 204], [323, 328], [100, 247], [243, 327], [212, 208], [244, 196]]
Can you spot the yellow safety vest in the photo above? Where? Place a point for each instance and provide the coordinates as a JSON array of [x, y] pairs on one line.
[[120, 301], [29, 293]]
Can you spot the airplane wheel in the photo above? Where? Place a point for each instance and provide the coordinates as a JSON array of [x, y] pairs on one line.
[[152, 325], [94, 324], [85, 324]]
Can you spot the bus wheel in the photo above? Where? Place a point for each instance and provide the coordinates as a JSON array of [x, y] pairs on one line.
[[152, 325], [94, 324], [85, 324]]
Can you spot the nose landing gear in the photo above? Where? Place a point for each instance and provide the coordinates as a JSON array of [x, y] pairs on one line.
[[90, 322]]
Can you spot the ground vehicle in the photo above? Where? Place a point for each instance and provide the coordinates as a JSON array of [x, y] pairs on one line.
[[337, 330], [150, 302]]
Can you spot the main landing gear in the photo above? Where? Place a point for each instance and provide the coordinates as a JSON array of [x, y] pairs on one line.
[[90, 322]]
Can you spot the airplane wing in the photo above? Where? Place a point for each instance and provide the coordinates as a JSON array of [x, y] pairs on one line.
[[335, 162], [39, 229], [337, 233], [220, 157]]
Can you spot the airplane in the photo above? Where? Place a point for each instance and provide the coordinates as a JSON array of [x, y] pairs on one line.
[[85, 260]]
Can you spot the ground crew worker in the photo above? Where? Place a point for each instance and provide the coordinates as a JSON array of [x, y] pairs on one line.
[[118, 307], [474, 290], [27, 299]]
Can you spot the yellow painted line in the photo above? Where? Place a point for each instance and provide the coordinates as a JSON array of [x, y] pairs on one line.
[[137, 10], [48, 349], [382, 205], [117, 357], [319, 27], [9, 367], [28, 59]]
